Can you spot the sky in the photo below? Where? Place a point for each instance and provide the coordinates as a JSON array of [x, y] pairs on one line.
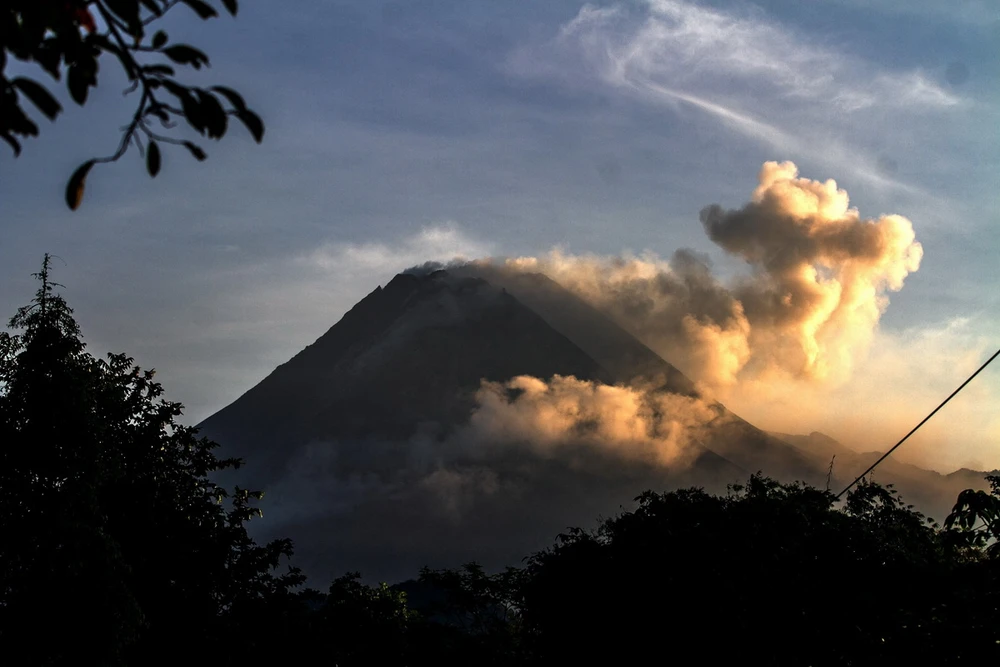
[[401, 132]]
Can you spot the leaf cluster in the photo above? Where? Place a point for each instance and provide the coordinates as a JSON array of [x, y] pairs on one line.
[[974, 522], [71, 38]]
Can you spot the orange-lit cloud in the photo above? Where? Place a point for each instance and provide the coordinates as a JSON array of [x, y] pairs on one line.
[[818, 284], [556, 417]]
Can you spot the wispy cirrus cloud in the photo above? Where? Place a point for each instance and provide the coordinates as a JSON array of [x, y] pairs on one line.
[[685, 44], [758, 77]]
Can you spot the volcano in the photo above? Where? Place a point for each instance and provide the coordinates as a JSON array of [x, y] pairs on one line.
[[362, 441]]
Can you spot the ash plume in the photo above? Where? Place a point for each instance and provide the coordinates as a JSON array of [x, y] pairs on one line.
[[818, 283]]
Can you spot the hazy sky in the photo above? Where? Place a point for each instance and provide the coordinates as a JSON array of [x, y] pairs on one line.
[[399, 132]]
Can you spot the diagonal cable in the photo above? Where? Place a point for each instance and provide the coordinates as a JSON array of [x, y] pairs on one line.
[[914, 430]]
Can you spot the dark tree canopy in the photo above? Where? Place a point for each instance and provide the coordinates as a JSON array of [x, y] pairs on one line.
[[770, 574], [72, 38], [116, 547], [114, 543]]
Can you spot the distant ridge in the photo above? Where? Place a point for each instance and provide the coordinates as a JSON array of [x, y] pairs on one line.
[[358, 438], [932, 492]]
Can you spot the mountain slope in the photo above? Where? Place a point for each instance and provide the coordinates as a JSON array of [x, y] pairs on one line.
[[364, 444], [616, 349], [736, 440], [361, 445], [407, 357], [931, 492]]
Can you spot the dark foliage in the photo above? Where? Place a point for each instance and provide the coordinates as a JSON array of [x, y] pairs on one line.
[[69, 37], [116, 548], [771, 573], [114, 543]]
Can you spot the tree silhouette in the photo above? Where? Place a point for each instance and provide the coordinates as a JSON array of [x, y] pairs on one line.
[[770, 572], [361, 625], [115, 543], [117, 548], [469, 616], [974, 523], [71, 37]]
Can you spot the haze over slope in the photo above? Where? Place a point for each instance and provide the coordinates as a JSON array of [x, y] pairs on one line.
[[442, 402], [471, 413], [405, 358], [443, 419], [931, 492]]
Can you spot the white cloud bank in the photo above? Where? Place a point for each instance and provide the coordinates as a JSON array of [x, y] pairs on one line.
[[433, 243]]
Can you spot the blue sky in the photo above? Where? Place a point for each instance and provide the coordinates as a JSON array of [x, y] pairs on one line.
[[404, 131]]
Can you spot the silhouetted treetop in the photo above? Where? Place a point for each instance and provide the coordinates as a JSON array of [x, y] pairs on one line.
[[116, 545]]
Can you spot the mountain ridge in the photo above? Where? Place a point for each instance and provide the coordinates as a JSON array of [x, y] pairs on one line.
[[431, 332], [364, 444], [932, 491]]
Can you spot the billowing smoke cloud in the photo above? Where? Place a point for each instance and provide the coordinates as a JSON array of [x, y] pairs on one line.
[[818, 284], [677, 308], [586, 423], [821, 272], [535, 456], [564, 414]]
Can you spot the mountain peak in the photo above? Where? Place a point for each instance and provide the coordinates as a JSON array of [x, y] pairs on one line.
[[380, 410], [409, 356]]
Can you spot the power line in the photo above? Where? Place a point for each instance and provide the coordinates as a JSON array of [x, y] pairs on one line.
[[914, 430]]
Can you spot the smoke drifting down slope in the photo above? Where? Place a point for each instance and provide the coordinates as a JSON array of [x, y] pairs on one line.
[[442, 419], [817, 286], [565, 414], [470, 413]]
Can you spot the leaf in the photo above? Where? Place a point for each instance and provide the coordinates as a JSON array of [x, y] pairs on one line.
[[14, 143], [192, 111], [234, 98], [39, 96], [19, 123], [49, 55], [78, 84], [75, 186], [214, 114], [196, 151], [202, 9], [182, 54], [128, 11], [159, 111], [159, 39], [253, 123], [231, 6], [153, 159]]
